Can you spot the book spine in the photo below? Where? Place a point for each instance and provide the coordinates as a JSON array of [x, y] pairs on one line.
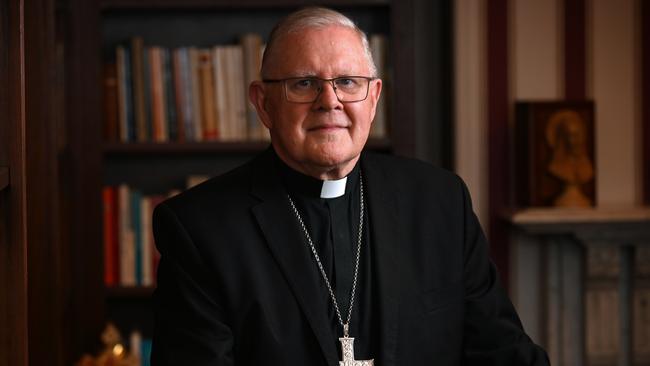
[[188, 95], [157, 111], [137, 49], [207, 96], [128, 100], [146, 352], [221, 91], [147, 245], [179, 95], [121, 94], [170, 98], [110, 270], [111, 105], [136, 217], [240, 94], [197, 108], [126, 237], [146, 70], [251, 45]]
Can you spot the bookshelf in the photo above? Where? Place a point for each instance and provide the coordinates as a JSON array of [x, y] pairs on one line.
[[155, 167]]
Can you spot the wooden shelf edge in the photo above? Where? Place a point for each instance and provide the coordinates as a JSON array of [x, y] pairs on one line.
[[117, 148], [555, 215], [4, 178], [229, 4]]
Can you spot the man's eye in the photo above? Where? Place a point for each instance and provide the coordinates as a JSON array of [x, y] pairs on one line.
[[346, 83], [302, 83]]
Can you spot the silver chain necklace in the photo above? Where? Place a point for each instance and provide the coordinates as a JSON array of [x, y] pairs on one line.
[[347, 342]]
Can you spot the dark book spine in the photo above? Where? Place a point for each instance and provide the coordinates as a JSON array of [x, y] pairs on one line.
[[170, 91], [111, 107], [128, 100]]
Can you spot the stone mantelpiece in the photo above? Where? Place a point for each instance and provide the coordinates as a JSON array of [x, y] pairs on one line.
[[548, 263]]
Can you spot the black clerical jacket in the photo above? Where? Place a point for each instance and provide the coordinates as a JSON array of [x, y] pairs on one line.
[[238, 286]]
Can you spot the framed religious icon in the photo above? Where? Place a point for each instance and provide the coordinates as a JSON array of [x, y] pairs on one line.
[[554, 154]]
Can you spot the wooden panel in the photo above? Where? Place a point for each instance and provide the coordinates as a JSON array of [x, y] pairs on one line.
[[498, 136], [574, 49], [45, 290], [402, 53], [81, 182], [4, 178], [13, 233], [645, 97]]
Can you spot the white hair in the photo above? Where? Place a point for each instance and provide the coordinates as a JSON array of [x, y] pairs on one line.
[[314, 17]]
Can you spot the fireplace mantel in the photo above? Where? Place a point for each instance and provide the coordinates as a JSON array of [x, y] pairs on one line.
[[548, 262]]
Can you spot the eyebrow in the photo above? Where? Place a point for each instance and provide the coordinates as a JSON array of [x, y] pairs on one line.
[[312, 75], [304, 74]]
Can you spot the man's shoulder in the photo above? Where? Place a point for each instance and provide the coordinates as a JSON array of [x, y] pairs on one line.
[[408, 170]]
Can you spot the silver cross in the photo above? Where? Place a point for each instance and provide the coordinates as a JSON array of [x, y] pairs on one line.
[[347, 350]]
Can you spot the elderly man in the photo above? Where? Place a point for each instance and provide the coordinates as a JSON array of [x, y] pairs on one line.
[[315, 253]]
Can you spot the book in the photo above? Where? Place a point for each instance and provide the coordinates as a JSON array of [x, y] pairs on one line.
[[136, 226], [122, 95], [197, 111], [222, 105], [147, 246], [145, 352], [158, 115], [111, 107], [179, 94], [198, 94], [111, 272], [126, 237], [169, 96], [139, 102], [206, 77], [239, 95]]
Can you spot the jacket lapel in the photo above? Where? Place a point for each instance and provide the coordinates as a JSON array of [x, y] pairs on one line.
[[389, 260], [287, 246]]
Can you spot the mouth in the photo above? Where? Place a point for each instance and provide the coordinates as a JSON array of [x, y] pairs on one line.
[[326, 128]]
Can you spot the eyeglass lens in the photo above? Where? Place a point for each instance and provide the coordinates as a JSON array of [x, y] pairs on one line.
[[306, 90]]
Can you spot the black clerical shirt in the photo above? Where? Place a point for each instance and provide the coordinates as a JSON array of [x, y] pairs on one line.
[[333, 225]]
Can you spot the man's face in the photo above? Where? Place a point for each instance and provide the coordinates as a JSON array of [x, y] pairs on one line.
[[324, 137]]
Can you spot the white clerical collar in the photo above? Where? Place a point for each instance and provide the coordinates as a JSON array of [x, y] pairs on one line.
[[333, 188]]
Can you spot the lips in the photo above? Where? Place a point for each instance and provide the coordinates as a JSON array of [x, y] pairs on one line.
[[326, 127]]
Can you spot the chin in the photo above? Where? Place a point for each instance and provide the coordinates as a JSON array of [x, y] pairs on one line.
[[334, 157]]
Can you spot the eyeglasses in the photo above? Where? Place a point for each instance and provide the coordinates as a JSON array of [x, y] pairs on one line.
[[348, 89]]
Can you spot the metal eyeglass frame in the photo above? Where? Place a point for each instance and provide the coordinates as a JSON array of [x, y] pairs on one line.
[[331, 81]]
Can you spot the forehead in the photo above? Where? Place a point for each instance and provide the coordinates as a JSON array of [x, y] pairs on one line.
[[326, 52]]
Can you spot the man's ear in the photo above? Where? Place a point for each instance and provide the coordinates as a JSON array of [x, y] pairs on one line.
[[257, 96], [373, 94]]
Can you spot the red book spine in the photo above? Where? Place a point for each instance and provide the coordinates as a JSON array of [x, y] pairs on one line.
[[110, 236]]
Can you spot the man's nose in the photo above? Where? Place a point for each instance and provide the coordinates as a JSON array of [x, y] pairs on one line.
[[327, 98]]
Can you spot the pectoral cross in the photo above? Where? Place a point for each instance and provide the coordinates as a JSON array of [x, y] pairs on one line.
[[347, 350]]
